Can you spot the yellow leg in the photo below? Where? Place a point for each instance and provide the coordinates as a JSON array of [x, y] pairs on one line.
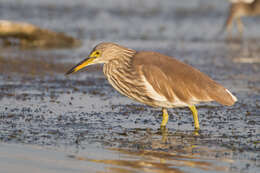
[[164, 132], [240, 26], [195, 117], [165, 117]]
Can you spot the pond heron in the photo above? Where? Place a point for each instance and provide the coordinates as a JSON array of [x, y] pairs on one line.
[[156, 79], [241, 8]]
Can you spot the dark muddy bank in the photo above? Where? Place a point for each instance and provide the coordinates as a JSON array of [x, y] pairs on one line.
[[82, 123]]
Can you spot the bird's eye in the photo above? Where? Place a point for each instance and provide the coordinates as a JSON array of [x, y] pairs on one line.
[[97, 53]]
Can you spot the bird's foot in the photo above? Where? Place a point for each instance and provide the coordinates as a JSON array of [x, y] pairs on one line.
[[164, 133], [196, 132]]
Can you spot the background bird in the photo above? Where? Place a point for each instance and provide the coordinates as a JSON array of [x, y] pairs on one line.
[[156, 79], [241, 8]]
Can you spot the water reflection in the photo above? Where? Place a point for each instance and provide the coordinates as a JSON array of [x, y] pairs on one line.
[[165, 154]]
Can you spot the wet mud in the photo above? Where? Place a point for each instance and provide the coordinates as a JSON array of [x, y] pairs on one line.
[[79, 123]]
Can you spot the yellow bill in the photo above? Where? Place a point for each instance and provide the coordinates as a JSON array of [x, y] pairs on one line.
[[81, 65]]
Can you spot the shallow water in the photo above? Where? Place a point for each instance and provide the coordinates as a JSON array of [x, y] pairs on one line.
[[53, 123]]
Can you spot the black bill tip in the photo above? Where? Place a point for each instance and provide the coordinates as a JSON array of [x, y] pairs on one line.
[[70, 71]]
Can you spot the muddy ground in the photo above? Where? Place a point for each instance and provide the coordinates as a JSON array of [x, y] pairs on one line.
[[50, 122]]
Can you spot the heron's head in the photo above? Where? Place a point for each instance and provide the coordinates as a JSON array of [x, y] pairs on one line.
[[102, 53]]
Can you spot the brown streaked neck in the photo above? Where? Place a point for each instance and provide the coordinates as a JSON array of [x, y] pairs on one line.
[[124, 54], [122, 57]]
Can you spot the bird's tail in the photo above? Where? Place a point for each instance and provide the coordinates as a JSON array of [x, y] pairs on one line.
[[224, 97], [234, 98]]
